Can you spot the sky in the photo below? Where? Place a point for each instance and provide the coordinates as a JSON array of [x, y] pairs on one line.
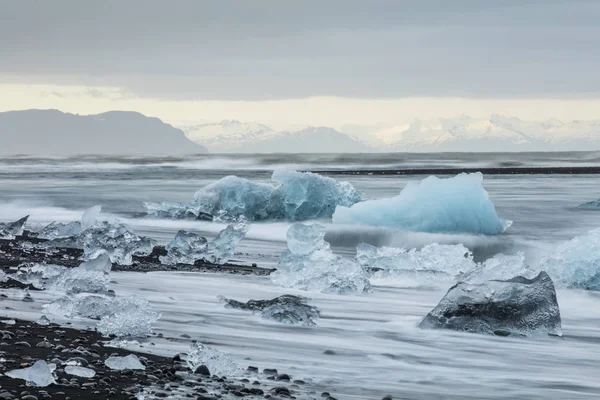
[[327, 62]]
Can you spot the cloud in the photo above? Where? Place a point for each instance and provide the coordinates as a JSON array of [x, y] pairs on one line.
[[272, 49]]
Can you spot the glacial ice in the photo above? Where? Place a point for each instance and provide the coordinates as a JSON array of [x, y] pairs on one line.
[[132, 317], [217, 363], [517, 306], [188, 247], [293, 196], [499, 267], [454, 205], [39, 374], [8, 230], [122, 363], [309, 264], [56, 230], [287, 309], [434, 260], [90, 277], [576, 263], [82, 372]]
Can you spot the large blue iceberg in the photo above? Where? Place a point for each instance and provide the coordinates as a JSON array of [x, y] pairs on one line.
[[293, 196], [454, 205]]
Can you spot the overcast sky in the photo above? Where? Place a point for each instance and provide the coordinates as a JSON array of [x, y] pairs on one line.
[[232, 54]]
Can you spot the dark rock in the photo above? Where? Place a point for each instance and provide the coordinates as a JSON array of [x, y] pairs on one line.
[[202, 370]]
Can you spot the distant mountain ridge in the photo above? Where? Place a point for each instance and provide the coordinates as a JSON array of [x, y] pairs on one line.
[[114, 132], [249, 137], [494, 134]]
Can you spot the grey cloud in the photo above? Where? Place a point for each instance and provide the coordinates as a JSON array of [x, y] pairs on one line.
[[268, 49]]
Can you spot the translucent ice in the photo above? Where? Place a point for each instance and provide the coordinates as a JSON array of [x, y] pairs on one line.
[[452, 205], [287, 309], [62, 230], [501, 266], [517, 306], [590, 205], [292, 196], [91, 277], [41, 276], [576, 263], [115, 240], [309, 264], [216, 362], [121, 363], [39, 374], [434, 260], [82, 372], [188, 247], [9, 230], [131, 317]]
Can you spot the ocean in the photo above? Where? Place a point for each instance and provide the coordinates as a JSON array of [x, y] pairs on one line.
[[375, 347]]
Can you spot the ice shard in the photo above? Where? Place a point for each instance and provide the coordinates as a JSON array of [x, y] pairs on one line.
[[287, 309], [185, 248], [217, 363], [56, 230], [9, 230], [131, 362], [309, 264], [131, 317], [39, 374], [82, 372], [222, 248], [518, 306]]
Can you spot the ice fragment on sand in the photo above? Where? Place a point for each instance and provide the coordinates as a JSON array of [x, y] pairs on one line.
[[9, 230], [287, 309], [188, 247], [90, 277], [56, 230], [216, 362], [576, 263], [132, 317], [517, 306], [121, 363], [43, 320], [309, 264], [80, 371], [39, 374], [454, 205], [434, 260]]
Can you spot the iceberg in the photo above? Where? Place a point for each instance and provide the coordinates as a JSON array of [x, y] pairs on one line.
[[576, 263], [9, 230], [434, 260], [39, 374], [287, 309], [293, 196], [309, 264], [131, 362], [188, 247], [518, 306], [454, 205], [216, 362]]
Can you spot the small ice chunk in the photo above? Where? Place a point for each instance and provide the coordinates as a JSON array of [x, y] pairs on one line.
[[39, 374], [122, 363], [500, 267], [517, 306], [91, 277], [132, 317], [590, 205], [9, 230], [288, 309], [309, 264], [3, 276], [8, 321], [222, 248], [576, 263], [185, 248], [216, 362], [435, 260], [454, 205], [175, 211], [41, 276], [82, 372], [43, 320], [89, 217], [56, 230]]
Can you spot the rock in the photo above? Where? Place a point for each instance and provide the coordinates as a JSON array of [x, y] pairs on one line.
[[517, 306], [202, 370]]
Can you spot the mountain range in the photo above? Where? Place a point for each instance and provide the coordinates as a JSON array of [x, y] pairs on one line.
[[54, 132], [493, 134]]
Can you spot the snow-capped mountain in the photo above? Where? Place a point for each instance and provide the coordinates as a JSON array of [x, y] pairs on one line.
[[462, 133], [243, 137], [496, 133]]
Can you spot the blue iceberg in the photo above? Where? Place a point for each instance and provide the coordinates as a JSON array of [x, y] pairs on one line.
[[454, 205], [293, 196]]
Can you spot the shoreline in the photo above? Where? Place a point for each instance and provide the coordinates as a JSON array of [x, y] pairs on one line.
[[587, 170]]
